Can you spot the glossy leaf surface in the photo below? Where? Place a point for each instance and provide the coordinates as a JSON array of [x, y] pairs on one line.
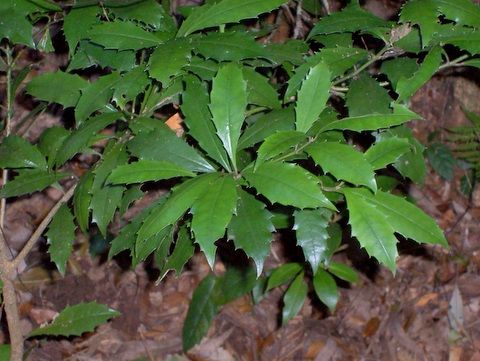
[[343, 162], [147, 170], [312, 97], [228, 104], [212, 212], [60, 237], [251, 228], [77, 319], [225, 11], [287, 184]]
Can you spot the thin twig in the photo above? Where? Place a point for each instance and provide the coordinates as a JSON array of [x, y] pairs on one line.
[[8, 127], [454, 62], [6, 269], [353, 74], [41, 227]]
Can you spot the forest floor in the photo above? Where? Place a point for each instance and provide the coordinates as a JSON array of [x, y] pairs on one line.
[[428, 310]]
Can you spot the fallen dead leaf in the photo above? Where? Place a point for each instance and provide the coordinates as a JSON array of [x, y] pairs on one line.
[[371, 327], [425, 299], [455, 353], [42, 315], [175, 124], [314, 349]]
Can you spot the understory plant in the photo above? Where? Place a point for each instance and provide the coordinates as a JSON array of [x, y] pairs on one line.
[[270, 143]]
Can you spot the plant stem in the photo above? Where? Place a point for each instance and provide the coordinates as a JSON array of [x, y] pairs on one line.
[[41, 227], [353, 74], [454, 62], [297, 150], [7, 273], [8, 126], [13, 319]]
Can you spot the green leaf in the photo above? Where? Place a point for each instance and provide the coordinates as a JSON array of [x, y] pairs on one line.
[[147, 170], [387, 183], [283, 274], [400, 115], [95, 96], [441, 159], [180, 200], [29, 181], [287, 184], [337, 59], [366, 96], [251, 228], [228, 104], [114, 155], [372, 228], [407, 87], [267, 124], [407, 219], [144, 247], [463, 37], [205, 69], [312, 97], [129, 196], [169, 148], [77, 319], [291, 51], [326, 289], [15, 27], [17, 152], [230, 46], [126, 238], [183, 251], [148, 12], [412, 163], [104, 203], [351, 19], [200, 314], [343, 162], [121, 35], [397, 68], [277, 144], [294, 298], [81, 200], [5, 351], [133, 83], [198, 119], [156, 99], [89, 54], [168, 59], [50, 142], [386, 151], [424, 14], [60, 237], [78, 139], [77, 23], [225, 11], [312, 234], [343, 272], [235, 283], [58, 87], [44, 5], [391, 214], [463, 12], [472, 62], [259, 90], [212, 212]]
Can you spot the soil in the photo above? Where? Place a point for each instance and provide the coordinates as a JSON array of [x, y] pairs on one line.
[[428, 310]]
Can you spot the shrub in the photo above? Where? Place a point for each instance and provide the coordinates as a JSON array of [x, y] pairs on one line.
[[268, 141]]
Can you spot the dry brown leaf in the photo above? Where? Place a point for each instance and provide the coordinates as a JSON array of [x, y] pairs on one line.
[[175, 124], [425, 299]]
